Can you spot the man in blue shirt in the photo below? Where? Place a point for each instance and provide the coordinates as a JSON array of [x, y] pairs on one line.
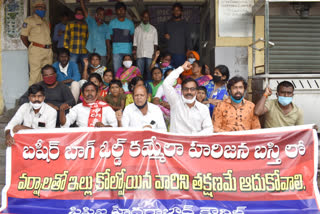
[[121, 34], [99, 38], [68, 72], [58, 34]]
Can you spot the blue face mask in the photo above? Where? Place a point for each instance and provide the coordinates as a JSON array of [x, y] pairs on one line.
[[95, 67], [191, 60], [41, 13], [284, 101], [236, 101]]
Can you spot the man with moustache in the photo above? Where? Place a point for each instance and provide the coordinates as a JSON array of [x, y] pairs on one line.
[[235, 113], [121, 34], [141, 113], [32, 115], [90, 113], [177, 36], [188, 116]]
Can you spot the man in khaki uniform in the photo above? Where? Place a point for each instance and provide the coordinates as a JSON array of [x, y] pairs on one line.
[[35, 35]]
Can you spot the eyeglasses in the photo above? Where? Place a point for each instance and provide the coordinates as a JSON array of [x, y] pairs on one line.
[[187, 89]]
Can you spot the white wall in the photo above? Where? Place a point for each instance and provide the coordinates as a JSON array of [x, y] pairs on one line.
[[15, 76]]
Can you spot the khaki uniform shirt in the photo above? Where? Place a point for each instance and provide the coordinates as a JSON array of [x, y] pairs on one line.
[[37, 30], [275, 117]]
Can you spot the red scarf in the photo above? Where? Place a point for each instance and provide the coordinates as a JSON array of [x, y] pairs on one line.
[[95, 114]]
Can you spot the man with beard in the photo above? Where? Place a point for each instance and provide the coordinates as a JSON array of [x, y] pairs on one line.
[[57, 93], [235, 113], [141, 113], [90, 113], [188, 116], [68, 72], [99, 38], [177, 36], [32, 115], [121, 34]]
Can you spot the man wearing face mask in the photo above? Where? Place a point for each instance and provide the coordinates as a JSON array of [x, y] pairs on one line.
[[76, 36], [281, 111], [32, 115], [57, 93], [90, 113], [188, 116], [141, 113], [145, 43], [35, 35], [177, 36], [99, 36], [235, 113]]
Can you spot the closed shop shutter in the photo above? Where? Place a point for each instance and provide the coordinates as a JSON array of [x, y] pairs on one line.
[[297, 44]]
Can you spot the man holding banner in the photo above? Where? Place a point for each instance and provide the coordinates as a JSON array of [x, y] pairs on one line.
[[142, 114], [90, 113], [33, 115], [188, 116]]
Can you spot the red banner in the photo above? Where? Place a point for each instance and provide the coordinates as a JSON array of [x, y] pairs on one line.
[[129, 171]]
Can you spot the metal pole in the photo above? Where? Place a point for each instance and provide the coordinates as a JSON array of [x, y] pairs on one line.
[[266, 38]]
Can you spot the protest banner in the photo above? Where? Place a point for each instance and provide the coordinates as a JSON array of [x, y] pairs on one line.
[[144, 172]]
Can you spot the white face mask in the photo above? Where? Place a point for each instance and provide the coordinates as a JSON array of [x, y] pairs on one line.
[[187, 101], [127, 64], [36, 106]]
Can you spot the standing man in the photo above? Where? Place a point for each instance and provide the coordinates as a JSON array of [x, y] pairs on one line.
[[90, 113], [178, 36], [141, 113], [99, 38], [59, 29], [35, 35], [281, 111], [188, 116], [145, 43], [75, 38], [235, 113], [32, 115], [121, 34]]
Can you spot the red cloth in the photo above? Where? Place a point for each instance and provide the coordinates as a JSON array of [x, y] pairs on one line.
[[95, 114]]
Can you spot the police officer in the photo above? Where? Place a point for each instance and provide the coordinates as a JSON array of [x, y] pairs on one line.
[[35, 35]]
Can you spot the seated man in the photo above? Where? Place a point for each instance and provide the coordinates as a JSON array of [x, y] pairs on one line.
[[56, 92], [188, 116], [281, 111], [32, 115], [141, 113], [90, 113], [235, 113], [68, 72]]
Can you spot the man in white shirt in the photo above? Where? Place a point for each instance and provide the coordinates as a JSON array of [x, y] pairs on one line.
[[141, 113], [188, 116], [32, 115], [145, 43], [90, 113]]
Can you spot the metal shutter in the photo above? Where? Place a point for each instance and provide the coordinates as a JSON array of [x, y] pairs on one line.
[[297, 44]]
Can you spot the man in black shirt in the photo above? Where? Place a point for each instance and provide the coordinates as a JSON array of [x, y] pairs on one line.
[[177, 36]]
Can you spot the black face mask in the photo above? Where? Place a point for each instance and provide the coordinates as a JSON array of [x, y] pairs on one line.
[[216, 78], [141, 107], [177, 17]]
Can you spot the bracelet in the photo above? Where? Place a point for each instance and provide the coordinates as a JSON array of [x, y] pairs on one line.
[[266, 95]]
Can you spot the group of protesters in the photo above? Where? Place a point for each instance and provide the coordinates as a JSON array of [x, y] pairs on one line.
[[172, 91]]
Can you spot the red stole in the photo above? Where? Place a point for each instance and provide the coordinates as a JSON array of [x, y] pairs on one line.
[[95, 114]]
